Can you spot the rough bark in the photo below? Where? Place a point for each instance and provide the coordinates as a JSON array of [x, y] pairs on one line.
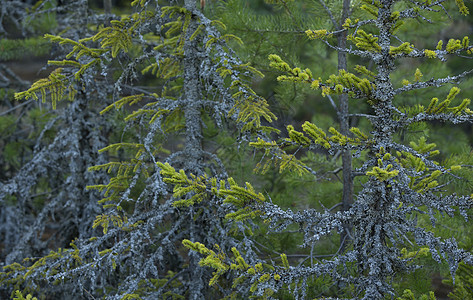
[[347, 197]]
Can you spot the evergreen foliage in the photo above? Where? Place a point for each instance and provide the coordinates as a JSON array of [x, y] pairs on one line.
[[126, 195], [44, 201], [198, 75], [402, 181], [464, 285]]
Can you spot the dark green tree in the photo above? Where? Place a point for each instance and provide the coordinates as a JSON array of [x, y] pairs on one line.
[[401, 181]]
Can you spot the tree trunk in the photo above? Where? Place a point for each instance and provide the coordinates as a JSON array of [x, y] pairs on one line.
[[347, 198]]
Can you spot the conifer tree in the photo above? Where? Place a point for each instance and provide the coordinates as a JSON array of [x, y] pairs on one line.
[[401, 180], [45, 204], [198, 82], [154, 199], [282, 32]]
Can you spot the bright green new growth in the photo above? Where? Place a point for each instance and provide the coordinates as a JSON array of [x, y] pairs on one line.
[[318, 34], [430, 53], [404, 48], [259, 272], [394, 172], [312, 136], [19, 296], [365, 41], [344, 82], [57, 86], [201, 188], [224, 95], [409, 295], [183, 185], [371, 7], [212, 259], [383, 174]]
